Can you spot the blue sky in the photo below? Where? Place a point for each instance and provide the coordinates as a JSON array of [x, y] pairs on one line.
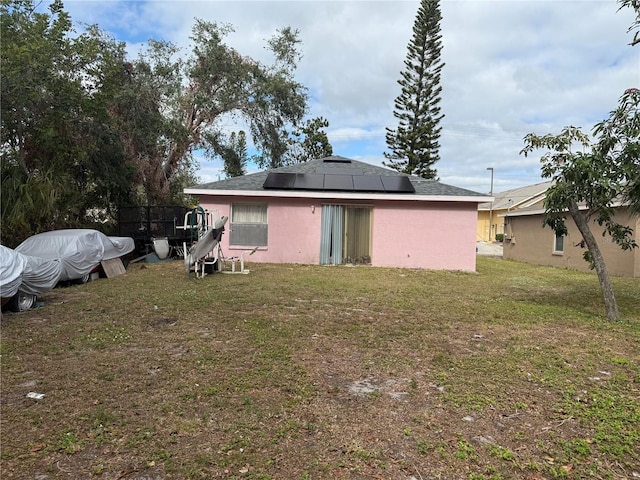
[[511, 67]]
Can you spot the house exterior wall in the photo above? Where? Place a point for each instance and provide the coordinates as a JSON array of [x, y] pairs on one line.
[[438, 236], [408, 234], [484, 217], [532, 243], [497, 219], [482, 233]]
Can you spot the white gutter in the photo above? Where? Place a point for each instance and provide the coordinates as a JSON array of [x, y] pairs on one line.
[[337, 195]]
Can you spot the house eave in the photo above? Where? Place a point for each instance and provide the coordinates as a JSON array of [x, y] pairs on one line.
[[522, 213], [337, 195]]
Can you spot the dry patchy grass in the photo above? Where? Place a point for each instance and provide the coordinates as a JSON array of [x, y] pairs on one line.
[[310, 372]]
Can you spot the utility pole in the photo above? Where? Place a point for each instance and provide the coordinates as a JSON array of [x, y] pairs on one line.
[[491, 206]]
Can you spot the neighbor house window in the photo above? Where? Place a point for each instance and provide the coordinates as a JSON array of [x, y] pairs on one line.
[[558, 244], [248, 225]]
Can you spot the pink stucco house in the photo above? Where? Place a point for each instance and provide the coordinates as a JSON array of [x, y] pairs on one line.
[[336, 210]]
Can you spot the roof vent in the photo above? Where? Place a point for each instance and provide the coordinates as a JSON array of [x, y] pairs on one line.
[[336, 160]]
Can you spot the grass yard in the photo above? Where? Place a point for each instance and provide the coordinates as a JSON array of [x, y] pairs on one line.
[[309, 372]]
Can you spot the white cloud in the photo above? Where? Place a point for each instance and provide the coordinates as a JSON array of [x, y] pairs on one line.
[[512, 67]]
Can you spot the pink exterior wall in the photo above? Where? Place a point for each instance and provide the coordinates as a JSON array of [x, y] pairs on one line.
[[294, 229], [409, 234], [433, 235]]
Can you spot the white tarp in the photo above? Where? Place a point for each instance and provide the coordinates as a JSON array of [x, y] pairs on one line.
[[12, 265], [41, 275], [78, 250], [31, 275]]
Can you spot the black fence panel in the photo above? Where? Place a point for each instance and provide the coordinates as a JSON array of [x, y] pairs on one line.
[[146, 223]]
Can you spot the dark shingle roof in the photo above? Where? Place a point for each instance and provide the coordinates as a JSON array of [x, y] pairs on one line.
[[337, 165]]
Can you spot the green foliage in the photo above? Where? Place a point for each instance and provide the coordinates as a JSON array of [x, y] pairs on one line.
[[414, 144], [69, 442], [28, 202], [465, 450], [501, 452], [618, 147], [309, 142], [235, 155], [590, 184], [635, 5], [59, 156], [614, 418], [85, 129]]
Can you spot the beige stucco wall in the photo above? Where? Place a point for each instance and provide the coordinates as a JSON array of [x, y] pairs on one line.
[[532, 243]]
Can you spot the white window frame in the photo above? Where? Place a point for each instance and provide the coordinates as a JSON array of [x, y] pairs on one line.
[[558, 238]]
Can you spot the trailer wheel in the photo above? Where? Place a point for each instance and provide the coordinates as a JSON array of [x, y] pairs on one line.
[[21, 302]]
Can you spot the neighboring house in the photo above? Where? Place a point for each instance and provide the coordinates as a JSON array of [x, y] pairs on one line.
[[491, 215], [526, 240], [336, 210]]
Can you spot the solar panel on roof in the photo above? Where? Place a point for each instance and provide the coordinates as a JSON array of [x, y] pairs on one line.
[[367, 183], [338, 182], [280, 180], [397, 184], [309, 181], [340, 171]]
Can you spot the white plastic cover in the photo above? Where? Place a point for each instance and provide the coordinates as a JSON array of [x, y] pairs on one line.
[[78, 250], [32, 275], [41, 275], [12, 265]]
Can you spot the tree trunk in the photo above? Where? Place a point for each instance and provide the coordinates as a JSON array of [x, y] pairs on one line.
[[610, 304]]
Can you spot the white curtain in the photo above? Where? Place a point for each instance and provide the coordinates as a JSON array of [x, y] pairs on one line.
[[248, 213], [332, 231]]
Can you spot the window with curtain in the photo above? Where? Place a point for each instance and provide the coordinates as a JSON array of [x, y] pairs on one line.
[[249, 226]]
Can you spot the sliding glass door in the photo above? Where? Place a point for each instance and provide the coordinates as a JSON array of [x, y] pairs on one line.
[[346, 235]]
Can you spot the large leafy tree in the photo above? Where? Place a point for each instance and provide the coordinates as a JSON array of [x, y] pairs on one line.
[[190, 100], [223, 82], [60, 160], [590, 183], [85, 129], [414, 144]]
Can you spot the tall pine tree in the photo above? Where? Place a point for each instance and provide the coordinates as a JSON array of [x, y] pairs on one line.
[[414, 145]]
